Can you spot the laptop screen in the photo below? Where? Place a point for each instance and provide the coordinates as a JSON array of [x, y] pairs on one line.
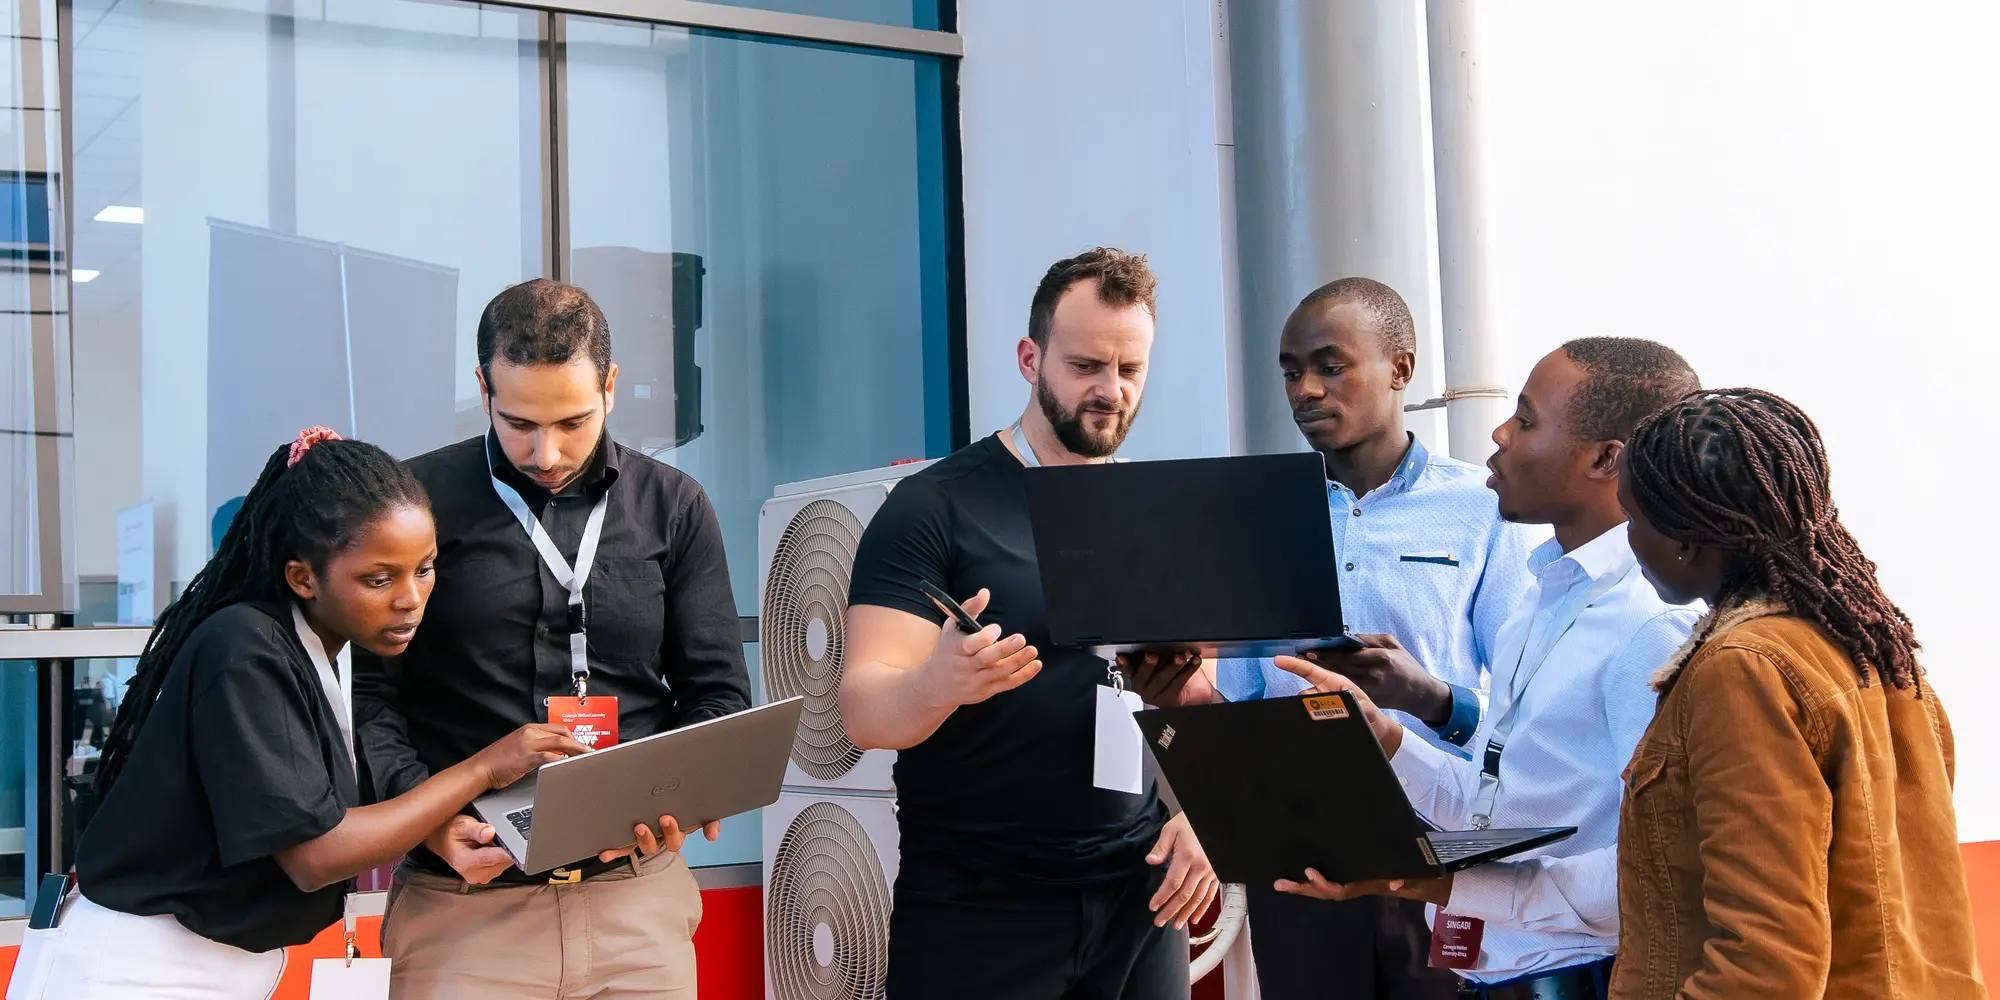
[[1193, 550]]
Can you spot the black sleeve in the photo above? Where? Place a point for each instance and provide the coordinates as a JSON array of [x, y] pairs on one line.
[[702, 659], [388, 760], [908, 539], [258, 754]]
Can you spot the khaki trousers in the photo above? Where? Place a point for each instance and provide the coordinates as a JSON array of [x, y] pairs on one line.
[[623, 935]]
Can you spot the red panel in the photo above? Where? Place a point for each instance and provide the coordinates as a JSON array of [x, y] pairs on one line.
[[729, 949], [729, 946]]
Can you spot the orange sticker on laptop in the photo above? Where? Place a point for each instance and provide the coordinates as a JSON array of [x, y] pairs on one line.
[[1326, 707]]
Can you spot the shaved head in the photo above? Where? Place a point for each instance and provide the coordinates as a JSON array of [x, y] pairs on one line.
[[1386, 309]]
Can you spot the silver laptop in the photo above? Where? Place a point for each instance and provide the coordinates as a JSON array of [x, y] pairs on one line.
[[573, 809]]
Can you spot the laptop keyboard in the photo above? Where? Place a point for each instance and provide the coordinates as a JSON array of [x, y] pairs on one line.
[[522, 820], [1450, 849]]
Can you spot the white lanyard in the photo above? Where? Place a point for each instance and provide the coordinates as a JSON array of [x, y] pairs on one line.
[[1021, 445], [337, 685], [1028, 457], [1508, 698], [571, 580]]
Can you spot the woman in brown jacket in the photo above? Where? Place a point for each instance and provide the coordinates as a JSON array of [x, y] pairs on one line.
[[1787, 829]]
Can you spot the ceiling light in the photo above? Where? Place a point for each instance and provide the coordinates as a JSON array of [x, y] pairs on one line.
[[129, 214], [81, 275]]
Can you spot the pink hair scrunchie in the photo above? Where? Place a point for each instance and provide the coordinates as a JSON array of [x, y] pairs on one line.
[[307, 438]]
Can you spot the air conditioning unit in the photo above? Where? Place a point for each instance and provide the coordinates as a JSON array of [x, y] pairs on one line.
[[806, 537], [829, 863], [830, 842]]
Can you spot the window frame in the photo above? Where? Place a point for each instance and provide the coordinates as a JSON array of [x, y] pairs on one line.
[[38, 628]]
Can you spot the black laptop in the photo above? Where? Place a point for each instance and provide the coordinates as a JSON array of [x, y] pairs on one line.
[[1280, 785], [1231, 556]]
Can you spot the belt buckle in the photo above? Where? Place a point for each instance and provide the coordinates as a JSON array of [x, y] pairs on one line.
[[566, 876]]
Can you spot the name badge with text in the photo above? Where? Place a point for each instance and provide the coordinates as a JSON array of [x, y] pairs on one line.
[[593, 721], [1455, 941]]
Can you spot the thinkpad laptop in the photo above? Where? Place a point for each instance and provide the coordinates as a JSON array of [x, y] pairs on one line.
[[1230, 556], [573, 809], [1284, 784]]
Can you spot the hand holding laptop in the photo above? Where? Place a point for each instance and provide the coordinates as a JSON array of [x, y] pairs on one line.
[[1388, 731], [670, 838], [1436, 891], [1391, 676], [468, 845], [1168, 677]]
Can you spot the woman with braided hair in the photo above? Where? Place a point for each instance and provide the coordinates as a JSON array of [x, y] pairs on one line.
[[1787, 830], [229, 822]]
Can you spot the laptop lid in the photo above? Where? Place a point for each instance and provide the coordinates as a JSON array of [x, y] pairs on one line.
[[1282, 784], [1195, 551], [711, 770]]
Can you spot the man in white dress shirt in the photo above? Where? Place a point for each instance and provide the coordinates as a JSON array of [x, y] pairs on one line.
[[1570, 695]]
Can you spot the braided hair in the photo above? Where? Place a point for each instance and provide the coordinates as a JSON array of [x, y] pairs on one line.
[[313, 500], [1746, 471]]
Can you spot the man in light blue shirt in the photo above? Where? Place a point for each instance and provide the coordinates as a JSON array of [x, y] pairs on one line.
[[1425, 562], [1570, 688], [1428, 566]]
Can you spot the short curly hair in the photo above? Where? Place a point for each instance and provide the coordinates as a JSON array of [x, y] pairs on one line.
[[1123, 279], [1625, 380]]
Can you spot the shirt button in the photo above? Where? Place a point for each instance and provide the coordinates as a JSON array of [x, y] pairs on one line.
[[1350, 567], [1357, 512]]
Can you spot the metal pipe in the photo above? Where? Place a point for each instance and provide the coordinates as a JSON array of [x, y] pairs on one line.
[[1221, 937], [1475, 400], [1332, 176]]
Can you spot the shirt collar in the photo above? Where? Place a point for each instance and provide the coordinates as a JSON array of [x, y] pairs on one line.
[[1415, 460], [1607, 554], [601, 470], [315, 649]]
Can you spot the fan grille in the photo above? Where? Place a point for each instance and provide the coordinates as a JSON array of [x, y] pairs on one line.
[[804, 631], [826, 922]]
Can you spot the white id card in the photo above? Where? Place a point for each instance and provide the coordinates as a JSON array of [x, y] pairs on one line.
[[1119, 765], [362, 979], [350, 978]]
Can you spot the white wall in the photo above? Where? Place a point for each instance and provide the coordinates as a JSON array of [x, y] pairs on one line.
[[1089, 124], [1798, 196]]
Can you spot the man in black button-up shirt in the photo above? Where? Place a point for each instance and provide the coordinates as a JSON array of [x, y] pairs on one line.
[[495, 643]]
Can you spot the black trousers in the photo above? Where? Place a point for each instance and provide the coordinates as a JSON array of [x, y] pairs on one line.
[[1375, 948], [956, 933]]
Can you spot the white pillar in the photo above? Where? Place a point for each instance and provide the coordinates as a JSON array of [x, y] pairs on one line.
[[1472, 345]]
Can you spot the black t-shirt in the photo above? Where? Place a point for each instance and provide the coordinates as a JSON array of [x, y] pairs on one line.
[[240, 758], [1004, 784]]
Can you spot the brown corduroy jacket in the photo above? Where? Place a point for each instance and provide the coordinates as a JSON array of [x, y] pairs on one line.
[[1788, 833]]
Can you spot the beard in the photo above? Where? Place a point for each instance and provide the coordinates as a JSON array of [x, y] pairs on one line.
[[1071, 430]]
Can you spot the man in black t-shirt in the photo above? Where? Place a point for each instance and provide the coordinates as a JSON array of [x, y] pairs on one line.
[[1019, 876]]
